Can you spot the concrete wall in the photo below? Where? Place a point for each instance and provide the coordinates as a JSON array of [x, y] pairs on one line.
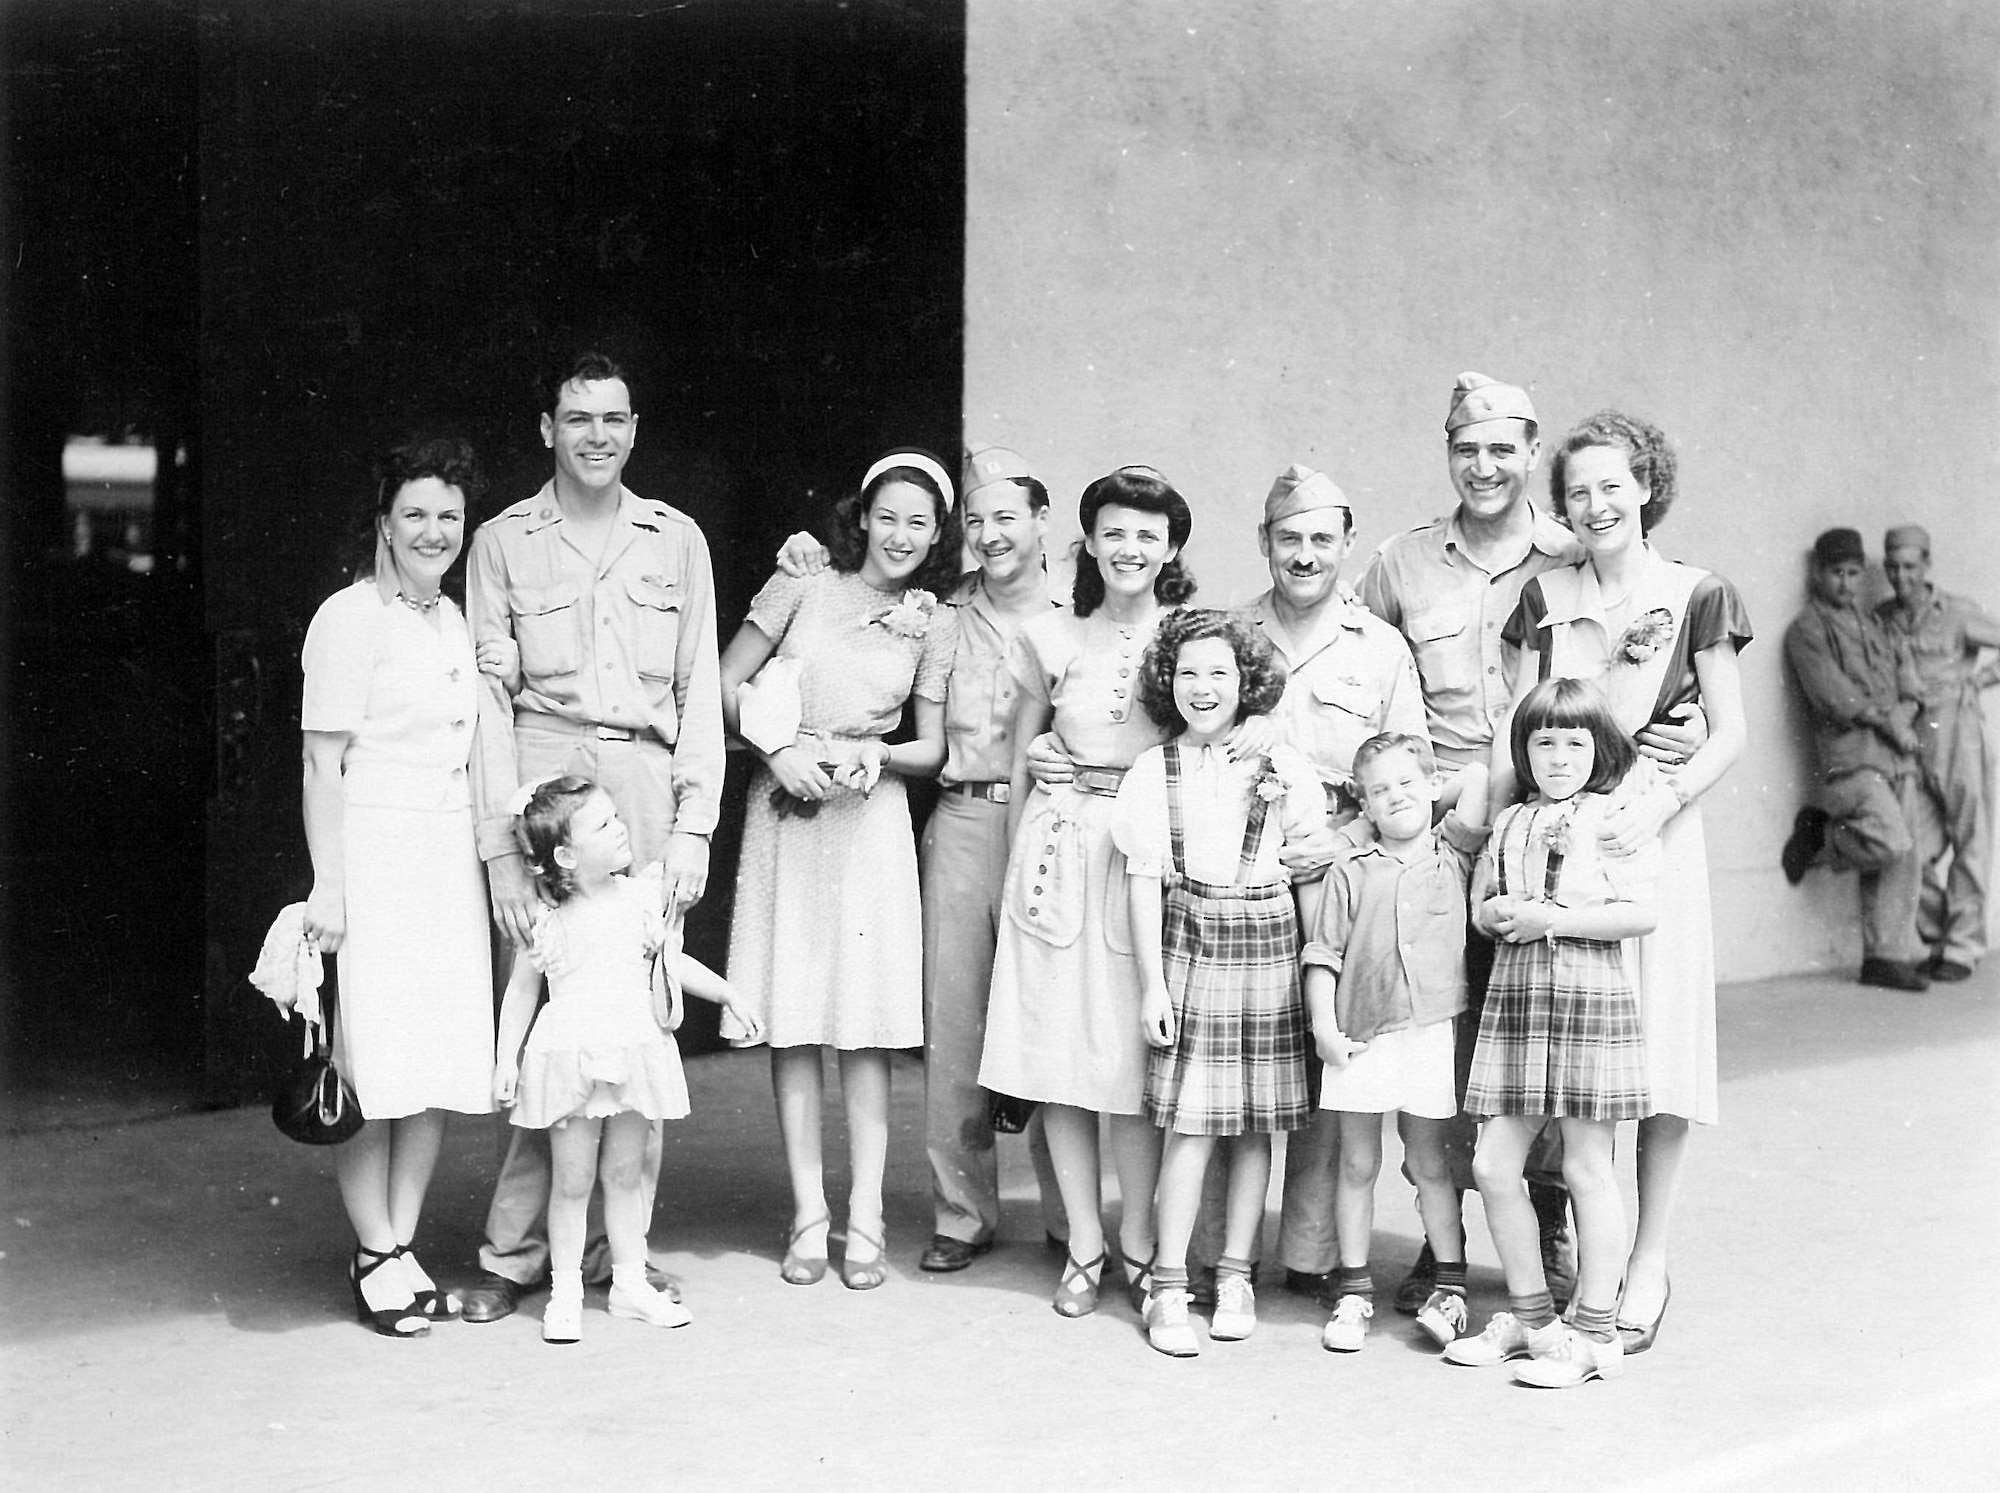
[[1223, 235]]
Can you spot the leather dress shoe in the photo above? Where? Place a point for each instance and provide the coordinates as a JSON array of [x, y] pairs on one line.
[[1314, 1285], [1892, 974], [1949, 970], [1803, 847], [492, 1297], [1418, 1284], [945, 1254]]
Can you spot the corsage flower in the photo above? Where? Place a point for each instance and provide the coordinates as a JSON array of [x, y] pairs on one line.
[[1555, 834], [1648, 634], [1270, 786], [908, 618]]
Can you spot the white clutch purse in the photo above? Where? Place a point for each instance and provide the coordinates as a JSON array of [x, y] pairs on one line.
[[768, 707]]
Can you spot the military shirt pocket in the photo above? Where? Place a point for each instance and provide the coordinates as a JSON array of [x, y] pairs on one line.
[[1353, 697], [547, 625], [1447, 648], [656, 626]]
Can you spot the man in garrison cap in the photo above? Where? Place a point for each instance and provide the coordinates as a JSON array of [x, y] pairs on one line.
[[1349, 676], [1861, 695], [1950, 639], [1448, 587]]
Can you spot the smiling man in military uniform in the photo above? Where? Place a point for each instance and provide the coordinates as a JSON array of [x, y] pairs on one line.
[[610, 599]]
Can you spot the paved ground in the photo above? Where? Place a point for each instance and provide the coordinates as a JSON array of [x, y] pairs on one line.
[[173, 1315]]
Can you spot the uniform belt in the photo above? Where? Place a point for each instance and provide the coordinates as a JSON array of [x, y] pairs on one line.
[[993, 793], [556, 725], [1102, 781]]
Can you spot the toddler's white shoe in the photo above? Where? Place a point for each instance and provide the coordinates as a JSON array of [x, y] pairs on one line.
[[1444, 1317], [1574, 1360], [644, 1304], [1504, 1338], [562, 1320], [1347, 1329], [1235, 1315]]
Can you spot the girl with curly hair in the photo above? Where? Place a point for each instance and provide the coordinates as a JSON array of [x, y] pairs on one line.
[[597, 1066], [1216, 935], [1658, 637], [1062, 1026]]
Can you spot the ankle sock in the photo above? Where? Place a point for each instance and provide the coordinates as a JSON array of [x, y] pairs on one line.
[[1533, 1311], [1354, 1282], [566, 1284], [1593, 1323], [1170, 1278], [1229, 1265], [1451, 1276], [629, 1278]]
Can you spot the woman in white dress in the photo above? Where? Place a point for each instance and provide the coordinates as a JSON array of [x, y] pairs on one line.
[[1064, 1026], [398, 892], [1657, 636]]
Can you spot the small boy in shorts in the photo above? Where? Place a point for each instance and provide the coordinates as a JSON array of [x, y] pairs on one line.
[[1384, 980]]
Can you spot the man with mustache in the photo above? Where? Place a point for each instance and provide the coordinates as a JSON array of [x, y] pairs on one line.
[[1349, 675]]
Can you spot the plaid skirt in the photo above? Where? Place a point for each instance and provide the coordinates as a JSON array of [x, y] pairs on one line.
[[1560, 1035], [1238, 1061]]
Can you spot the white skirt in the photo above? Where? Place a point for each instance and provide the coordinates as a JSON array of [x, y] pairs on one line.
[[414, 1029], [1409, 1069]]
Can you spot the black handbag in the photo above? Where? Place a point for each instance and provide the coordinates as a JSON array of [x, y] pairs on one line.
[[316, 1106]]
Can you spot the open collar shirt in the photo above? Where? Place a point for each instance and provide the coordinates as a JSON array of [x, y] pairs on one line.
[[1427, 585], [623, 638]]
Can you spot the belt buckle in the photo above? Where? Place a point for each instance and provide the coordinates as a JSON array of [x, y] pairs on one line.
[[615, 733], [999, 793]]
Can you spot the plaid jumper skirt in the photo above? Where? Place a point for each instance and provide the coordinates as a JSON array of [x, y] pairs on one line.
[[1560, 1034], [1231, 956]]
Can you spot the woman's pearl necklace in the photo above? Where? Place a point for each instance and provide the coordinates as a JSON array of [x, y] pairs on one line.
[[419, 606]]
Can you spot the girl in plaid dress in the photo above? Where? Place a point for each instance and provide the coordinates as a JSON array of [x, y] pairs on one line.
[[1560, 1036], [1216, 936]]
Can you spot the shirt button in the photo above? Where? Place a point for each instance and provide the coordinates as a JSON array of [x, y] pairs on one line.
[[1123, 672], [1038, 891], [458, 725], [1033, 910], [1118, 715]]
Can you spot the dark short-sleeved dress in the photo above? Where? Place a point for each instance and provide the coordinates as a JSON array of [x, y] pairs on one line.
[[1562, 614]]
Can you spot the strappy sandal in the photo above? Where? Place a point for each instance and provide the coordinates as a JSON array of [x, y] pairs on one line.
[[865, 1275], [1076, 1293], [804, 1270], [433, 1302], [1138, 1280], [391, 1321]]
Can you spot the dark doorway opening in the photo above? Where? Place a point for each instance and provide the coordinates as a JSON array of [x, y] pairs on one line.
[[392, 215]]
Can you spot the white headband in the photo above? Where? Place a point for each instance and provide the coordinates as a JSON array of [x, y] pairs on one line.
[[916, 459]]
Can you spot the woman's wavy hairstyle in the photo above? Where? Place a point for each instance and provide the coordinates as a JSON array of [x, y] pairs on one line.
[[848, 542], [543, 826], [1146, 490], [1256, 660], [449, 458], [1646, 452], [1570, 705]]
